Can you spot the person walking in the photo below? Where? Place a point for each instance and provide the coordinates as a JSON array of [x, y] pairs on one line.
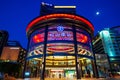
[[6, 77]]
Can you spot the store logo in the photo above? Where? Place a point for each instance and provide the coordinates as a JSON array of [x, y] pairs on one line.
[[60, 28]]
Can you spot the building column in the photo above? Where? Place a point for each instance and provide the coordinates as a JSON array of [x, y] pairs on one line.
[[81, 68], [94, 64], [78, 69], [95, 71], [42, 75], [25, 62], [108, 58]]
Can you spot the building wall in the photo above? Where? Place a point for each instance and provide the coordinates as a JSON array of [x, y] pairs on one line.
[[115, 36], [106, 42], [13, 55], [59, 38], [10, 53]]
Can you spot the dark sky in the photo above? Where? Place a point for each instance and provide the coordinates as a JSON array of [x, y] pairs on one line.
[[16, 14]]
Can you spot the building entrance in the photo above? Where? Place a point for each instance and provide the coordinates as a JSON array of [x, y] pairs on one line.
[[62, 67], [60, 73]]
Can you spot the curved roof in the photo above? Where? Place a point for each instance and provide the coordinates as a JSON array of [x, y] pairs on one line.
[[71, 16]]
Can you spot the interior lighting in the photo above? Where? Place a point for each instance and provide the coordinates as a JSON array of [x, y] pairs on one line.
[[14, 48], [56, 70]]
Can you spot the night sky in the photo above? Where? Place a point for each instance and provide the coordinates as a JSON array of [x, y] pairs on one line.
[[16, 14]]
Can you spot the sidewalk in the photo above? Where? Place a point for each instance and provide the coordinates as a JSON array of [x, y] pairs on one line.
[[116, 78]]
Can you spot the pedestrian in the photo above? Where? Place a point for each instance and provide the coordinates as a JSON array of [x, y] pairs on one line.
[[6, 77], [88, 72], [11, 77]]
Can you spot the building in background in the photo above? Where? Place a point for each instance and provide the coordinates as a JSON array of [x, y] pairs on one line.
[[13, 55], [3, 39], [18, 49], [51, 9], [59, 44], [106, 46]]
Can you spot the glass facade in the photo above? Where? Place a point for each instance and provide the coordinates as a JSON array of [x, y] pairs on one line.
[[60, 40], [59, 48], [36, 44], [102, 64], [107, 51]]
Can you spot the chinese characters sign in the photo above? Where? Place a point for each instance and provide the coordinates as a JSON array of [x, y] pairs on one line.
[[55, 35], [60, 34]]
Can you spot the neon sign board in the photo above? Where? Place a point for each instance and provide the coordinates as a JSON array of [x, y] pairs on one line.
[[60, 34], [55, 35]]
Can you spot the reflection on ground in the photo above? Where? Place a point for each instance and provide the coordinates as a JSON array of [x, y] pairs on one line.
[[115, 78]]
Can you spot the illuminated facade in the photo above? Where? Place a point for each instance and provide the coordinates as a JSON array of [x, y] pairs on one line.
[[106, 44], [59, 44], [13, 55]]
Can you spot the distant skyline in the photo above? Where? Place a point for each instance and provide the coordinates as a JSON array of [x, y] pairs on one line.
[[15, 15]]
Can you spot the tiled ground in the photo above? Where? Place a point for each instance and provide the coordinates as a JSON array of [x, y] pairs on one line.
[[115, 78]]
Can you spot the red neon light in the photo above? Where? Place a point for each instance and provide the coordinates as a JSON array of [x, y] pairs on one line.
[[82, 38], [59, 49], [59, 16], [60, 44], [38, 38]]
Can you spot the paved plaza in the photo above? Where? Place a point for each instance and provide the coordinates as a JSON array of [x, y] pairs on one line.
[[115, 78]]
